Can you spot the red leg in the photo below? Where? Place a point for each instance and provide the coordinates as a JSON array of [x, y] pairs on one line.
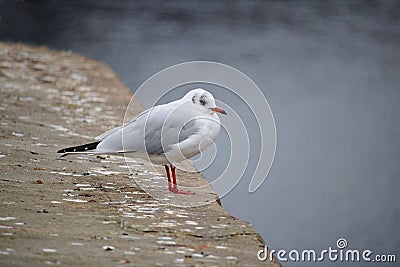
[[169, 178], [175, 186]]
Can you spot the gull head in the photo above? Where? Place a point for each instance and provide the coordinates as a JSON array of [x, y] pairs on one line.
[[203, 100]]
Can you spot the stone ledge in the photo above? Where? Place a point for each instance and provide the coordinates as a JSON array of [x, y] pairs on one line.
[[85, 210]]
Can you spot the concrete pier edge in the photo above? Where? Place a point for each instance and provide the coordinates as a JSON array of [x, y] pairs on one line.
[[88, 210]]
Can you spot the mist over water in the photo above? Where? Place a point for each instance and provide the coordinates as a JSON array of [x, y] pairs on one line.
[[330, 71]]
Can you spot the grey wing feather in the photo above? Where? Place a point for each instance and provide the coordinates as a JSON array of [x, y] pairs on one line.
[[144, 133], [187, 130], [114, 130], [153, 141], [157, 144]]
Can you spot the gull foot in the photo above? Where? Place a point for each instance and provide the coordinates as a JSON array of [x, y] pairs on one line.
[[178, 191]]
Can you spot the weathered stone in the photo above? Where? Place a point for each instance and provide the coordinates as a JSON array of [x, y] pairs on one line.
[[86, 210]]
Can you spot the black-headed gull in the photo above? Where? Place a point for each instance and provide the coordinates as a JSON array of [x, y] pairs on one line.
[[164, 134]]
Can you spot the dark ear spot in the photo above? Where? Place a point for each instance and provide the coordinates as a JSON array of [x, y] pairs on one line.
[[202, 101], [193, 98]]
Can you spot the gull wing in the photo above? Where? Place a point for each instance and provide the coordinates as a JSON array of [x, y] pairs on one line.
[[142, 134]]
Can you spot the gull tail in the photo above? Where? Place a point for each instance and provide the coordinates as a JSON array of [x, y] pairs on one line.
[[79, 149]]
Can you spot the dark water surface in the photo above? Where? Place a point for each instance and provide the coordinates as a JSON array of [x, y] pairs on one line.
[[330, 71]]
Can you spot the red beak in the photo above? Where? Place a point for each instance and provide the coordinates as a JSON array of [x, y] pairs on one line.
[[219, 110]]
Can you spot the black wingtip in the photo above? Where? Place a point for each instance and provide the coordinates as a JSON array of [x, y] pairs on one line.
[[81, 148]]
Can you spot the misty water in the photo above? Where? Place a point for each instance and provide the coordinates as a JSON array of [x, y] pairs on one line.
[[330, 71]]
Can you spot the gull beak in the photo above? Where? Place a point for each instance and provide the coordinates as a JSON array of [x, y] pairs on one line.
[[219, 110]]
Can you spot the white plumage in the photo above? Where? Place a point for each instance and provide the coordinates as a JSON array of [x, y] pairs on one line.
[[164, 134]]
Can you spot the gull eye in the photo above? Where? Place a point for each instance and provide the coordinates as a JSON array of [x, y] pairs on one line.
[[202, 101]]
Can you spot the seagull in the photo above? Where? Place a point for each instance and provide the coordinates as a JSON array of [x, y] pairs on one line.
[[164, 134]]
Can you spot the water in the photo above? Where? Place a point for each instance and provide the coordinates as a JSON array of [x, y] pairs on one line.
[[330, 71]]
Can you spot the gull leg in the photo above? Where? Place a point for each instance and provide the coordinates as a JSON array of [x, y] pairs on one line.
[[169, 177], [175, 186]]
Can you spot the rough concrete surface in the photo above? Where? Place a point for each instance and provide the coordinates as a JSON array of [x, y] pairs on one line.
[[88, 210]]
